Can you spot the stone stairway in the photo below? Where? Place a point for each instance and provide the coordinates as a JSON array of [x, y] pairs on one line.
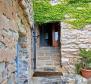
[[48, 58]]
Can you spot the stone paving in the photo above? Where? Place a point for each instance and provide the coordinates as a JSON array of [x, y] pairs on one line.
[[67, 79]]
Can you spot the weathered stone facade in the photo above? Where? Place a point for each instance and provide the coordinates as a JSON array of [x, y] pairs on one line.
[[15, 25], [16, 47], [71, 41]]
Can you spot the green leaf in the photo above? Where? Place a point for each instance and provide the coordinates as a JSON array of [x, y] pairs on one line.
[[78, 9]]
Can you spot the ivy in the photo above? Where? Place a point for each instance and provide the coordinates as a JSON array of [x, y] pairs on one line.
[[75, 12]]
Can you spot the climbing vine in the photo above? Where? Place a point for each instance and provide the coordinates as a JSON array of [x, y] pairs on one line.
[[75, 12]]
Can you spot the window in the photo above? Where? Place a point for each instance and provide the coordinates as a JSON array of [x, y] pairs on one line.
[[54, 2], [50, 34]]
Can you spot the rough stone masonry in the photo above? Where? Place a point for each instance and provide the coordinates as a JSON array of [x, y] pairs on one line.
[[16, 20], [71, 41], [15, 41]]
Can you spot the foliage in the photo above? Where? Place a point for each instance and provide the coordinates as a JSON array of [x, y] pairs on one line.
[[85, 60], [78, 67], [85, 53], [86, 57], [75, 12]]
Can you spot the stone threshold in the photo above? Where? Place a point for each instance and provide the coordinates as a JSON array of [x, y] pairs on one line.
[[46, 74]]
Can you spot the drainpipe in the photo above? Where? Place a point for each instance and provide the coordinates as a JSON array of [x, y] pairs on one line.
[[34, 38], [60, 44], [34, 46]]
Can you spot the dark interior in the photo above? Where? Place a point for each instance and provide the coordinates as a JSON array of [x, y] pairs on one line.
[[46, 33]]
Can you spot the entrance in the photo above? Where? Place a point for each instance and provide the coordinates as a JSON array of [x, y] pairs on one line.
[[50, 35]]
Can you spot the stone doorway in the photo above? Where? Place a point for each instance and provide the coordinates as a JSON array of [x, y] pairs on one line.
[[48, 55]]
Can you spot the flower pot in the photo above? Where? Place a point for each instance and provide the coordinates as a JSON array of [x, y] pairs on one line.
[[86, 73]]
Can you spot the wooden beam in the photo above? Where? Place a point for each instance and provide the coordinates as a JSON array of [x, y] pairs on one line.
[[46, 74]]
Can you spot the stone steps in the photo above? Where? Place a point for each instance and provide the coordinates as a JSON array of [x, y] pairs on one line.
[[48, 49], [48, 58]]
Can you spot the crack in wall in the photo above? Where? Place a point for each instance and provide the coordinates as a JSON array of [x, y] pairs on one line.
[[2, 45]]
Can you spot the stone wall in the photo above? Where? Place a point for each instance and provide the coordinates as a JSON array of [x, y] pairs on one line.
[[71, 41], [15, 23], [16, 20]]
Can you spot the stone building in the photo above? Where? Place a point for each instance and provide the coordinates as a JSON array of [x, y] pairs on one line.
[[15, 41], [37, 54]]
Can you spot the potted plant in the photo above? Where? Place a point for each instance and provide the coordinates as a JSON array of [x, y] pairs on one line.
[[84, 66]]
